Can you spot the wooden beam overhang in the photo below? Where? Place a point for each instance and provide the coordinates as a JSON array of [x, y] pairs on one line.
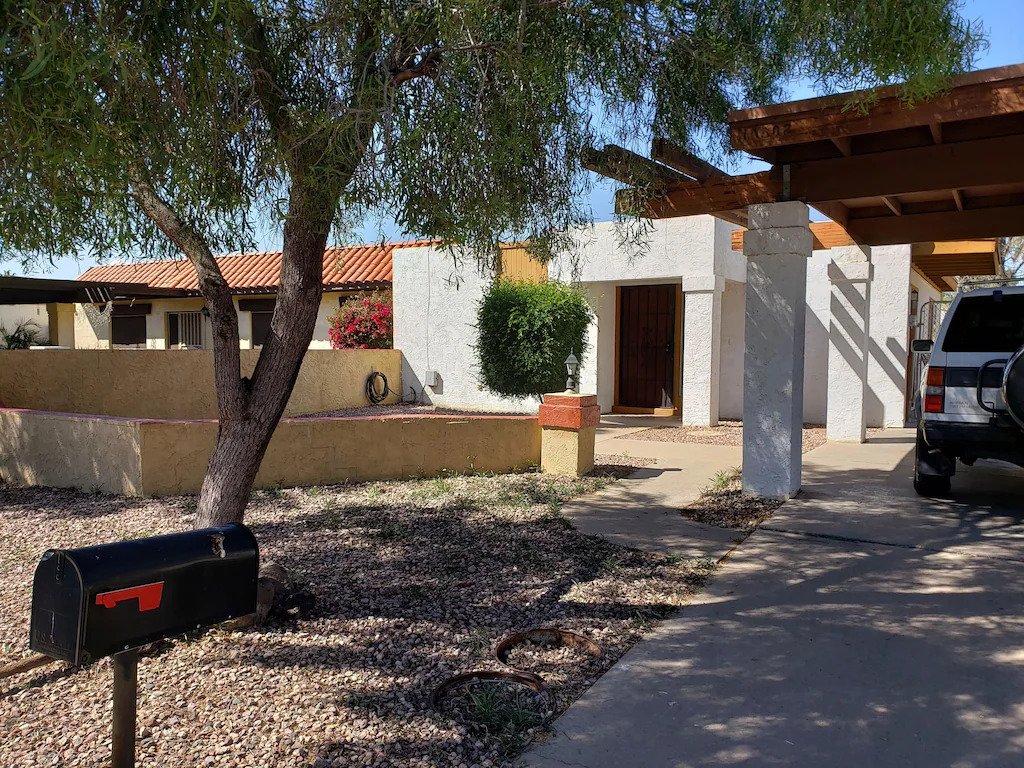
[[950, 168], [975, 95]]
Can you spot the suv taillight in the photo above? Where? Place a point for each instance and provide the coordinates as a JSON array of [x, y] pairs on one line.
[[935, 390]]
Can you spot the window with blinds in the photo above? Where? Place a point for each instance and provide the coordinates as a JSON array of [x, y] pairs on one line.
[[185, 330]]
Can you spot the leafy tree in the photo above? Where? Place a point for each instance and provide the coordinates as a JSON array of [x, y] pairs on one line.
[[1011, 250], [151, 128], [525, 331]]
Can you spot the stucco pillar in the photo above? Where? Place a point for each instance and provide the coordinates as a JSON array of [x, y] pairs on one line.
[[61, 324], [568, 425], [849, 274], [777, 247], [702, 348]]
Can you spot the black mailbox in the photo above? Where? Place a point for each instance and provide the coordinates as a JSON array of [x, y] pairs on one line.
[[96, 601]]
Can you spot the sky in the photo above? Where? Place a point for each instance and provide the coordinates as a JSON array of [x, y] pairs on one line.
[[1003, 21]]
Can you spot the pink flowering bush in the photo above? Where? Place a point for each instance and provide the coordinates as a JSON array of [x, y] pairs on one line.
[[364, 322]]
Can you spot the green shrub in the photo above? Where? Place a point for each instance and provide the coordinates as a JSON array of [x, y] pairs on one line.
[[525, 332], [22, 336]]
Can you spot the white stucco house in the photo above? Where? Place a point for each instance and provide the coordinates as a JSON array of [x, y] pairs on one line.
[[668, 331]]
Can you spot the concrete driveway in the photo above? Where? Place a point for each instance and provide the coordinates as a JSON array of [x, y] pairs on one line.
[[862, 627]]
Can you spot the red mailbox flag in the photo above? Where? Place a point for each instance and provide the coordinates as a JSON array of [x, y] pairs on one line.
[[149, 596]]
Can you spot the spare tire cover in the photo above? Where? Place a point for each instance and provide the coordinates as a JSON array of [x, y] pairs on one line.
[[1013, 386]]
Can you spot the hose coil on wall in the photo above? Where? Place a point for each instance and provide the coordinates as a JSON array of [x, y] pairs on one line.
[[374, 393]]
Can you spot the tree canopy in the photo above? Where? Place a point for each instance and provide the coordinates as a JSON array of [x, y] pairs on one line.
[[463, 121], [132, 128]]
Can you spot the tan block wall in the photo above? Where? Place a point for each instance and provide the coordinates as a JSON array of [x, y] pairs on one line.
[[568, 451], [323, 451], [64, 451], [137, 457], [175, 384]]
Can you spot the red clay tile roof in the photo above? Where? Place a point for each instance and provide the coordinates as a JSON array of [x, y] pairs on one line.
[[345, 267]]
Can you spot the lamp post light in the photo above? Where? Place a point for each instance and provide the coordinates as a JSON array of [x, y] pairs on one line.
[[572, 367]]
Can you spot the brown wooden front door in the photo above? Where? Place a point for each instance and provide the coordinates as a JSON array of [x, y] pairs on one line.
[[646, 346]]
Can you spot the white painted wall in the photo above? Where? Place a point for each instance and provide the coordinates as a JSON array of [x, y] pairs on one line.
[[598, 372], [435, 310], [435, 304], [730, 397], [13, 314], [888, 349], [676, 248]]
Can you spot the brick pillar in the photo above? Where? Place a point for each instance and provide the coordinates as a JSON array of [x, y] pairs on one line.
[[568, 428]]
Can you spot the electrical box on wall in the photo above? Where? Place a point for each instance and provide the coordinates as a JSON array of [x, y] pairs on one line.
[[430, 378]]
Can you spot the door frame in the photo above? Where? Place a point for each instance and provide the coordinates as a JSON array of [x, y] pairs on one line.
[[677, 358]]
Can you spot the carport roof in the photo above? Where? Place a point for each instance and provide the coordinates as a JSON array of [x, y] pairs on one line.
[[41, 290], [938, 263], [947, 168]]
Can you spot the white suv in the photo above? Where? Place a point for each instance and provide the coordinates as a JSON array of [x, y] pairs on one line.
[[972, 396]]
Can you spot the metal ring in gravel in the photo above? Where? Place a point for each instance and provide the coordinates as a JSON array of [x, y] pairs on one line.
[[546, 636], [534, 682]]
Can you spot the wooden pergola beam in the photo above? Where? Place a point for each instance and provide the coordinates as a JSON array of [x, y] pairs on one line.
[[933, 168], [671, 154], [1005, 221], [712, 196], [627, 167], [987, 245], [975, 95]]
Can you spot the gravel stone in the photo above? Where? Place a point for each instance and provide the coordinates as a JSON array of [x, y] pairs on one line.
[[400, 585]]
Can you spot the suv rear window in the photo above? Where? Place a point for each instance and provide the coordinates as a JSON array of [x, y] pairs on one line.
[[986, 324]]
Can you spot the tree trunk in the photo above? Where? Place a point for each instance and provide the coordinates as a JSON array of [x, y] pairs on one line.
[[242, 438]]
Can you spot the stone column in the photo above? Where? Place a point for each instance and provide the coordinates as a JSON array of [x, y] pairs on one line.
[[702, 348], [849, 273], [568, 430], [777, 247]]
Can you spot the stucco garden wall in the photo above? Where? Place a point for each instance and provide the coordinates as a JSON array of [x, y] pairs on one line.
[[175, 384], [160, 457], [70, 451]]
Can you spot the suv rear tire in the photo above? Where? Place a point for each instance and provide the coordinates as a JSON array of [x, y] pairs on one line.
[[928, 485]]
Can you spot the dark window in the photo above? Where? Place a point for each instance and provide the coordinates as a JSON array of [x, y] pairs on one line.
[[260, 327], [173, 334], [128, 329], [986, 324]]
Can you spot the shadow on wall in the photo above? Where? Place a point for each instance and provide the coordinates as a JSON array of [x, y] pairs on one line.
[[56, 450], [164, 457]]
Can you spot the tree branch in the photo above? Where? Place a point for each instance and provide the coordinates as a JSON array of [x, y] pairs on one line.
[[231, 390], [258, 57]]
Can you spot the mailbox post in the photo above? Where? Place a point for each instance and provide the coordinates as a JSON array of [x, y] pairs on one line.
[[125, 699], [111, 599]]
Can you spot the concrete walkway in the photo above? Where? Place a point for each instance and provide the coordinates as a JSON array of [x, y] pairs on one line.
[[863, 627], [642, 511]]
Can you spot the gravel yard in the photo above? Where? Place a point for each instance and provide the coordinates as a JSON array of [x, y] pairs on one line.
[[726, 433], [403, 584], [723, 503]]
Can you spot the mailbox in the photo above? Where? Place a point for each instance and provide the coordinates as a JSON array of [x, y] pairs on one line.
[[96, 601]]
